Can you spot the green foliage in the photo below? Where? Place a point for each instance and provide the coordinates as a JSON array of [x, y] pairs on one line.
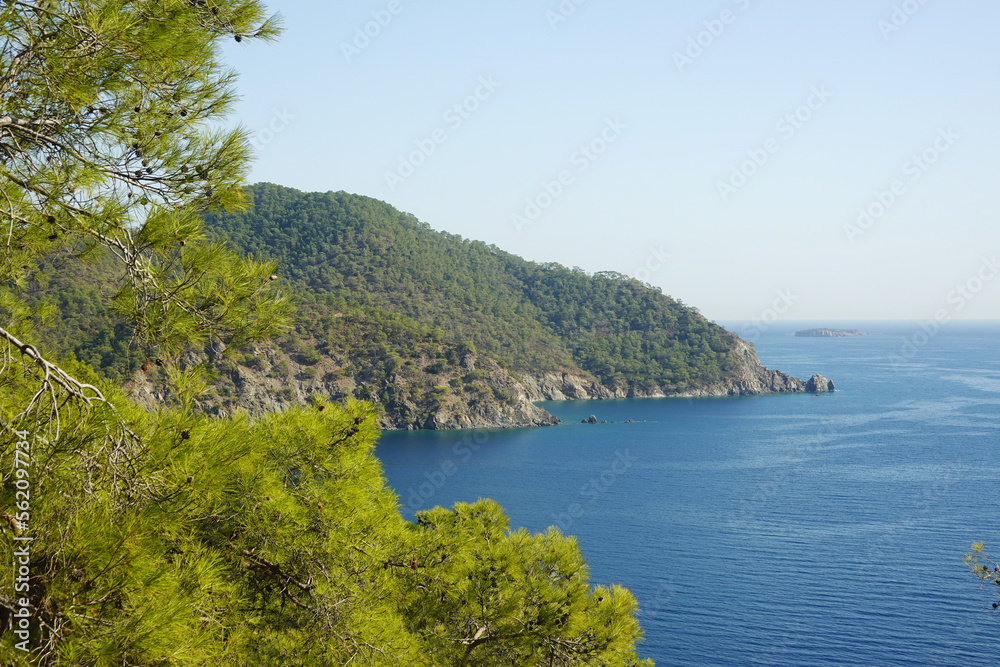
[[436, 368], [491, 597], [309, 357], [983, 568], [368, 270], [109, 142], [70, 312], [502, 396], [255, 362], [277, 541]]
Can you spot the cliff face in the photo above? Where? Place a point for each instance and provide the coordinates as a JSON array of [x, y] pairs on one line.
[[750, 377], [475, 394]]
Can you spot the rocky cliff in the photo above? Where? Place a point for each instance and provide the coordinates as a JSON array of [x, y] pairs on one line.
[[749, 378], [475, 393]]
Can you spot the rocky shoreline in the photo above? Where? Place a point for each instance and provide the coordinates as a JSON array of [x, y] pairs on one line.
[[751, 378], [495, 398]]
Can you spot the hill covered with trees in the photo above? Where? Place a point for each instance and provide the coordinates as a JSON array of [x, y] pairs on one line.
[[442, 331], [347, 252], [450, 332]]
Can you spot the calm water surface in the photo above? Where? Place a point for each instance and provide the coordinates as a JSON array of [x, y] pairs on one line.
[[776, 530]]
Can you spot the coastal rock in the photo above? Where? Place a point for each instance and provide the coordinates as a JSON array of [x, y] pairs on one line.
[[749, 378], [570, 387], [519, 415], [818, 383]]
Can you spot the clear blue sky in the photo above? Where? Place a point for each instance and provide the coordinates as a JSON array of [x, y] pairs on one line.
[[886, 80]]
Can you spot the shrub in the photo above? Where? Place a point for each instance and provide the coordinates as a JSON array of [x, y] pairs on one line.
[[309, 357]]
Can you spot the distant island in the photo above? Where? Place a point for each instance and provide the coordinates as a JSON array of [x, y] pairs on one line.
[[831, 333]]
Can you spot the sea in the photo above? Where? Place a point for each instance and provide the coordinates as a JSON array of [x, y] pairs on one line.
[[795, 529]]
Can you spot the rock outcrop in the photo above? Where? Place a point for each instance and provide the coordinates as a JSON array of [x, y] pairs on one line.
[[818, 383], [477, 394], [750, 378], [518, 415]]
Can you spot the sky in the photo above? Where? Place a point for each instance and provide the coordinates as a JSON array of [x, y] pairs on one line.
[[756, 159]]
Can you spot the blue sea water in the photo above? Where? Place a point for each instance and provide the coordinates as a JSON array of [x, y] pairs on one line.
[[774, 530]]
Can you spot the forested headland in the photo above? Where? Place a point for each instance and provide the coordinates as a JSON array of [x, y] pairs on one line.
[[440, 330]]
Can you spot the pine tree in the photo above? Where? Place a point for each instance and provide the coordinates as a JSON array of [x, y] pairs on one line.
[[107, 146], [481, 594], [108, 111]]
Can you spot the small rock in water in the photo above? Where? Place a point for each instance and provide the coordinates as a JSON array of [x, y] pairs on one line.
[[817, 383]]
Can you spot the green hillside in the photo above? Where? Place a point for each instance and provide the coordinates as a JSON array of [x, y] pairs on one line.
[[356, 257], [438, 329]]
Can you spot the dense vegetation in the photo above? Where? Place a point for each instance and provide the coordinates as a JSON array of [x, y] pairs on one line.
[[190, 540], [389, 310], [73, 316], [356, 257]]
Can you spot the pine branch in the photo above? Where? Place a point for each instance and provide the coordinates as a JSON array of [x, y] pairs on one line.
[[53, 379]]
